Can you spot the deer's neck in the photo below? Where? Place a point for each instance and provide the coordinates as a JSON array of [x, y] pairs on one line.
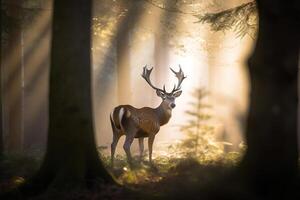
[[164, 113]]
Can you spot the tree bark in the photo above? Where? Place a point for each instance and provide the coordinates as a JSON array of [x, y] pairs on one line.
[[271, 160], [71, 159]]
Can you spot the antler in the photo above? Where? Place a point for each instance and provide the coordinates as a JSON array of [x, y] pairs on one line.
[[146, 75], [180, 76]]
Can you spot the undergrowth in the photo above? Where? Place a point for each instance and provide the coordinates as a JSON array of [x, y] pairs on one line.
[[170, 171]]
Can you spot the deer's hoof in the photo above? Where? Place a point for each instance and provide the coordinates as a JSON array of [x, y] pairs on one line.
[[153, 167]]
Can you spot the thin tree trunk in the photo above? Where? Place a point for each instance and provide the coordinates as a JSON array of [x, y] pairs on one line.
[[271, 158], [71, 159], [161, 46], [12, 88], [1, 95], [123, 50], [161, 58], [123, 65], [123, 56]]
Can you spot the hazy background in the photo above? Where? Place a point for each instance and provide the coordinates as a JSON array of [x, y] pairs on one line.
[[211, 60], [128, 35]]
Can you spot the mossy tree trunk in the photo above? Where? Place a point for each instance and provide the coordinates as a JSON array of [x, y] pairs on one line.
[[271, 158], [71, 159]]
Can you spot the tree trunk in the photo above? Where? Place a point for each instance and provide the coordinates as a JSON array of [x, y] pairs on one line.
[[71, 159], [161, 58], [1, 95], [123, 49], [12, 74], [271, 158], [161, 49], [123, 65], [123, 57], [161, 61], [36, 75]]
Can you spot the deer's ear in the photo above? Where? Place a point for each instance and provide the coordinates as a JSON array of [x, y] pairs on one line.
[[160, 94], [177, 94]]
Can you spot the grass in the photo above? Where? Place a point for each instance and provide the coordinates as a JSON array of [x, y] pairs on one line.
[[170, 172]]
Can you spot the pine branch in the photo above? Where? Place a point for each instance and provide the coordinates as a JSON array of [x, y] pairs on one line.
[[241, 19]]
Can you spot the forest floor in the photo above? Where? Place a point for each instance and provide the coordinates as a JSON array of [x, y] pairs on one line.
[[172, 175], [169, 177]]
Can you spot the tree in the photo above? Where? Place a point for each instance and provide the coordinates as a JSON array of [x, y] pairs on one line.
[[272, 157], [1, 96], [123, 48], [161, 58], [12, 73], [162, 37], [200, 141], [71, 158]]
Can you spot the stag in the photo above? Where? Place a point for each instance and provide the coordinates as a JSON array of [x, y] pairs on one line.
[[143, 122]]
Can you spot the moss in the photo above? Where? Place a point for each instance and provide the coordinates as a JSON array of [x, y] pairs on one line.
[[170, 172]]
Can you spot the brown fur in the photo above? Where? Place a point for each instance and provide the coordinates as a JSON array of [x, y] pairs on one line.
[[146, 120], [143, 122]]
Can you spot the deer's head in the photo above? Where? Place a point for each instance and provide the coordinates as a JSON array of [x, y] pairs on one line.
[[168, 98]]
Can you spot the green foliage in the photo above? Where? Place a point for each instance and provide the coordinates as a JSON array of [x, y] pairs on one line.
[[242, 20], [170, 171], [110, 15], [200, 142], [197, 159]]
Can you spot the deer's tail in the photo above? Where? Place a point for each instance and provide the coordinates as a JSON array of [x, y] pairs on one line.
[[123, 115], [117, 118], [113, 125]]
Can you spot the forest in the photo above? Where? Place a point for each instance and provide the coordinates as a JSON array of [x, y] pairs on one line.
[[210, 87]]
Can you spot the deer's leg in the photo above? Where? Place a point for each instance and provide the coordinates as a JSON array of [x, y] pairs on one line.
[[126, 146], [113, 146], [141, 145], [150, 145]]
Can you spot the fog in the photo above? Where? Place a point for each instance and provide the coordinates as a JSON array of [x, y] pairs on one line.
[[214, 61]]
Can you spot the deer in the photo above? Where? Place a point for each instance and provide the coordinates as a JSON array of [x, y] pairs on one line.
[[143, 122]]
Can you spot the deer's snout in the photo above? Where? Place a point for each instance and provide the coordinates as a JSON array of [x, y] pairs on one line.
[[172, 105]]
